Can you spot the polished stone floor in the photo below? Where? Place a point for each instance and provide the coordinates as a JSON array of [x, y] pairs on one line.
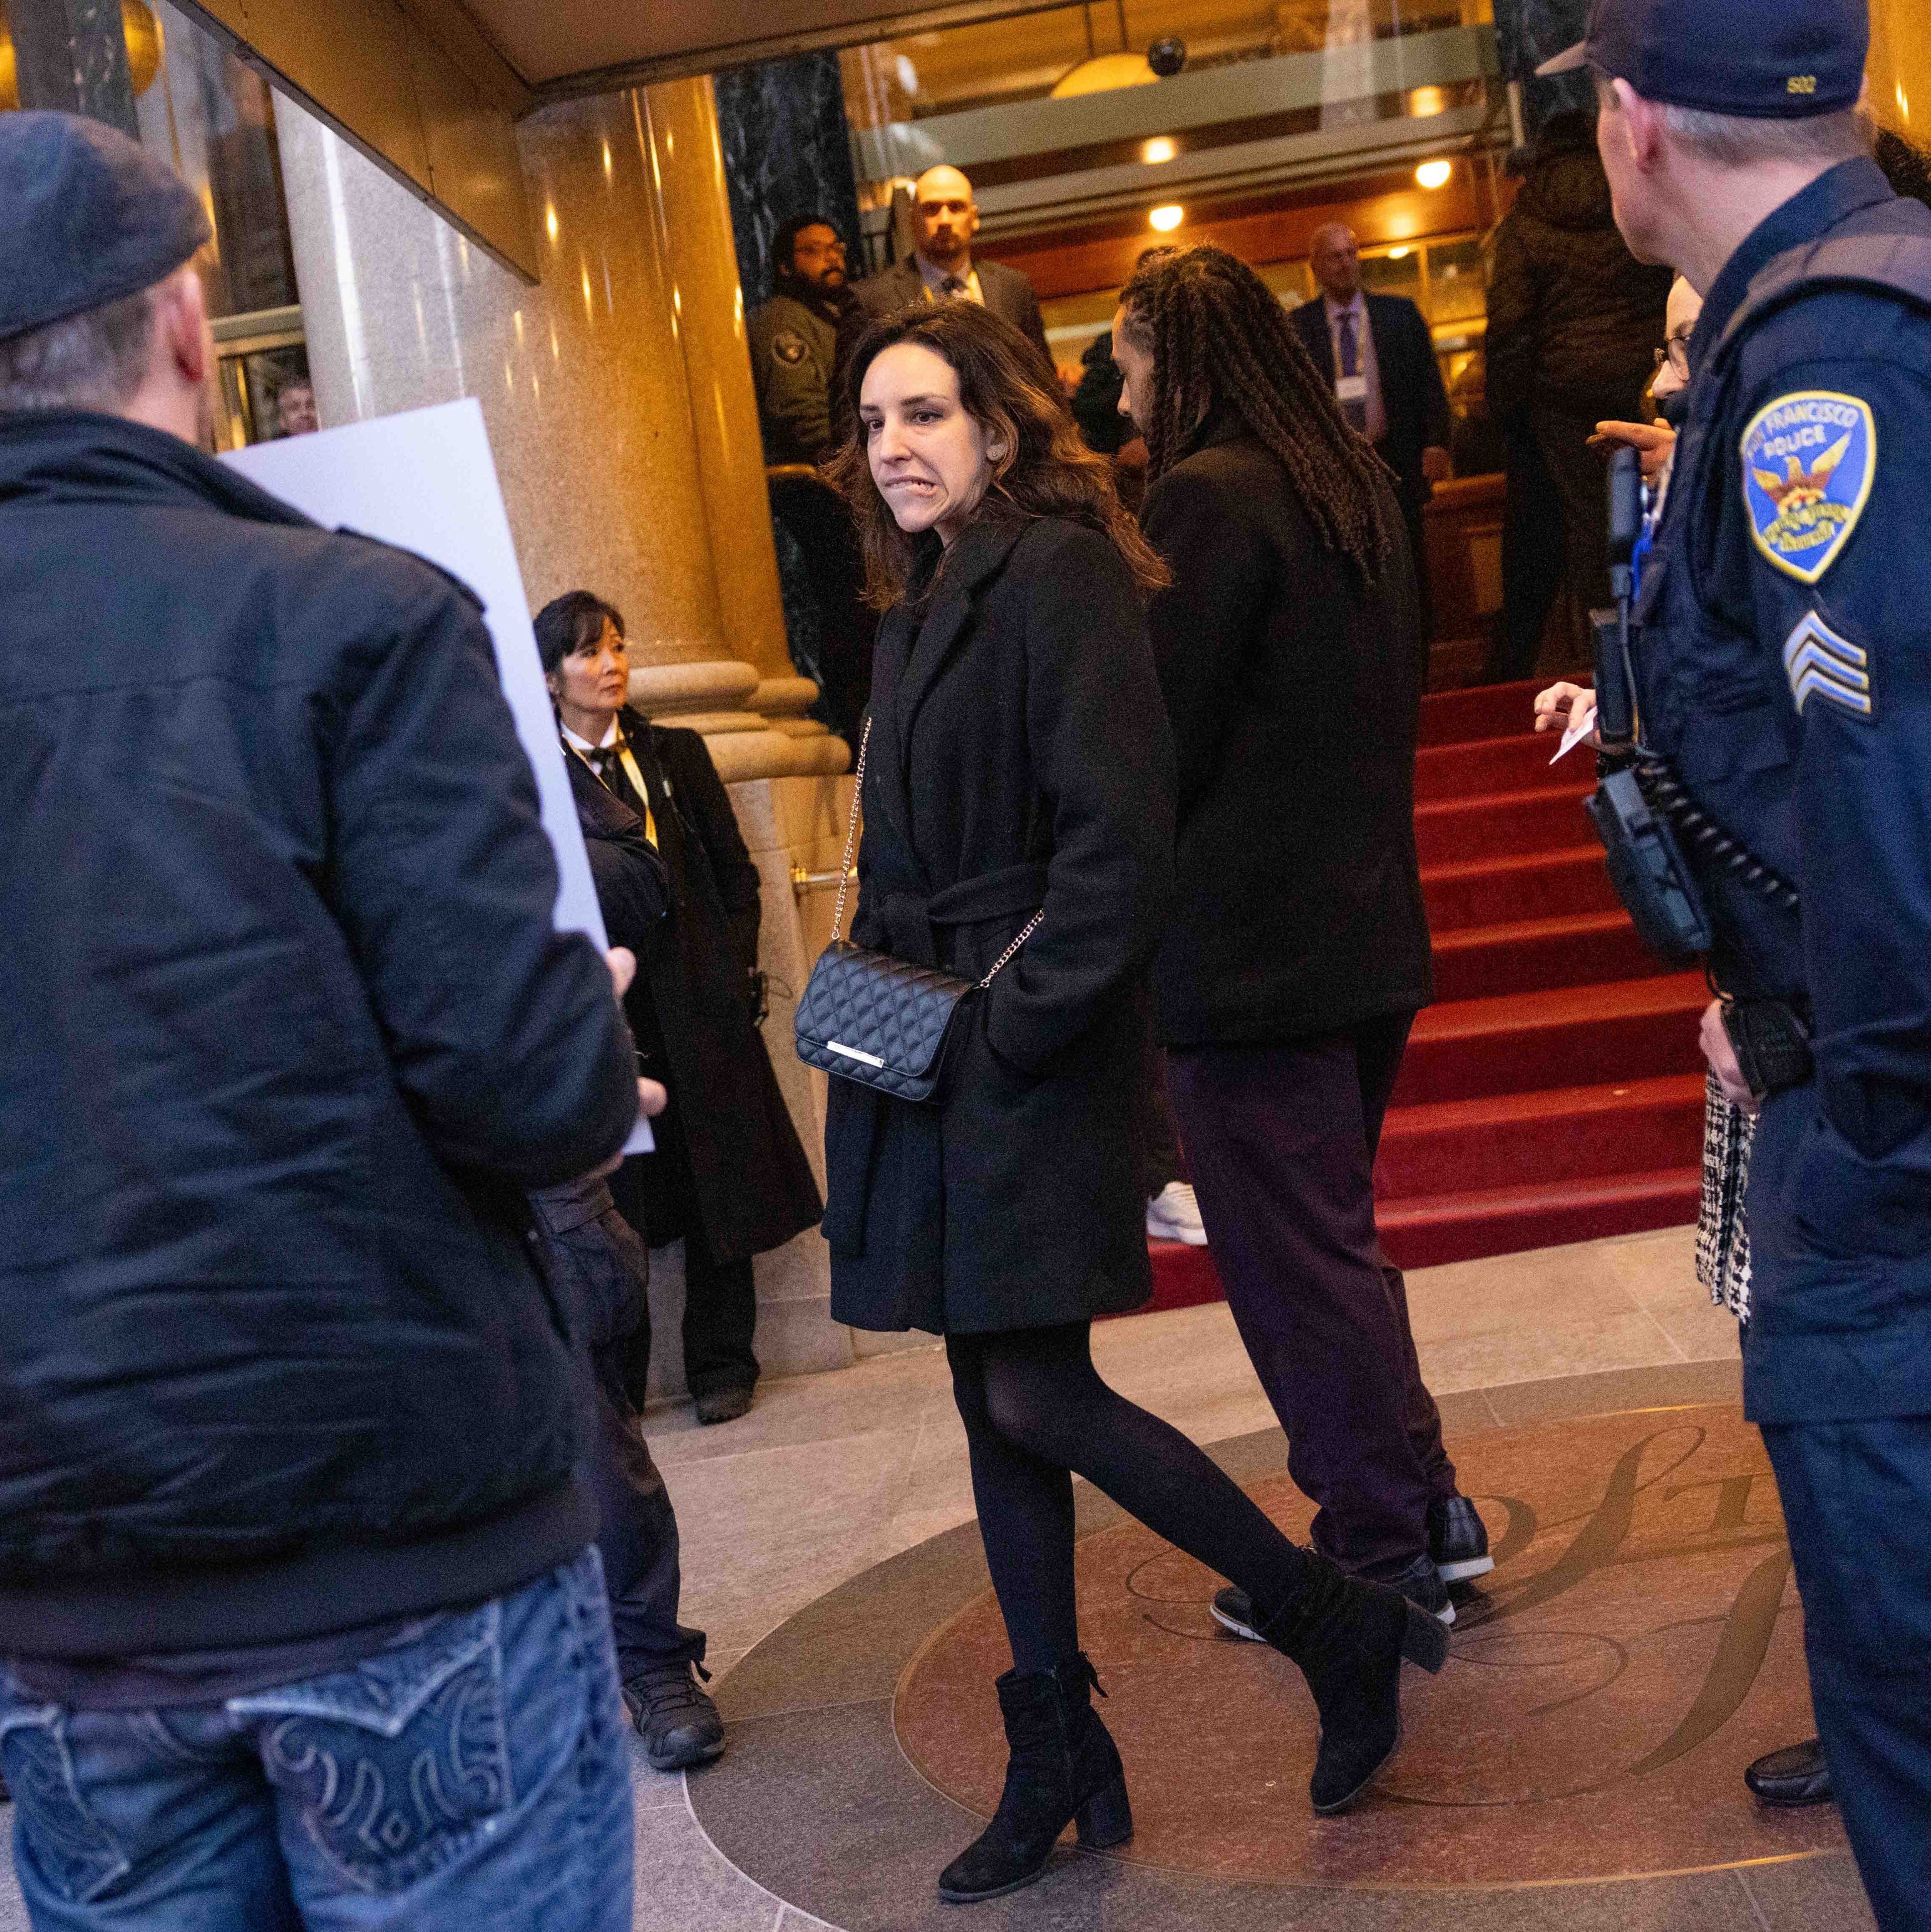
[[830, 1532]]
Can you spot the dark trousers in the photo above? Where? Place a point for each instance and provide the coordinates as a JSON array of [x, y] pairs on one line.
[[1534, 557], [1281, 1141], [1162, 1162], [720, 1323], [1857, 1502], [637, 1534]]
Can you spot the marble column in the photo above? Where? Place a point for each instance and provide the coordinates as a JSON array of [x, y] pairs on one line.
[[787, 151], [1528, 31], [72, 54], [607, 389]]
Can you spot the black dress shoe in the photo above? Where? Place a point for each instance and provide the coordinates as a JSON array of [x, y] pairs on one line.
[[1233, 1611], [725, 1405], [677, 1721], [1457, 1540], [1421, 1583], [1798, 1774]]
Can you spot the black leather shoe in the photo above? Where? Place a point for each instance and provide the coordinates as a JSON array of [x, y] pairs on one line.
[[725, 1405], [1457, 1540], [1064, 1769], [1798, 1774], [677, 1721], [1350, 1638], [1233, 1611], [1421, 1583]]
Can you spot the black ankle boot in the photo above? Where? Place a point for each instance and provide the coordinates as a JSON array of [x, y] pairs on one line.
[[1349, 1637], [1063, 1769]]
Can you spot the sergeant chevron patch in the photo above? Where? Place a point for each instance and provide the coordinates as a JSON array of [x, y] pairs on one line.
[[1820, 664], [1809, 459]]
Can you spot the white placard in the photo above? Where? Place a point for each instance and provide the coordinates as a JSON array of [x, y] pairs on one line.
[[426, 482]]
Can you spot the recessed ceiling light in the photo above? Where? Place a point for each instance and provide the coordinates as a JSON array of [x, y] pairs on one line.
[[1161, 148], [1434, 174], [1168, 217]]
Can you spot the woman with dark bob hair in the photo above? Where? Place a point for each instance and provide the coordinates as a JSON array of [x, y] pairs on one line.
[[1019, 780]]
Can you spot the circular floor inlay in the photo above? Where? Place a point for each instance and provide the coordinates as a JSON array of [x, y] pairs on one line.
[[1639, 1642]]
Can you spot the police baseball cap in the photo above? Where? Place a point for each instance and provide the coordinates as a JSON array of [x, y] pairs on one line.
[[1759, 59], [85, 217]]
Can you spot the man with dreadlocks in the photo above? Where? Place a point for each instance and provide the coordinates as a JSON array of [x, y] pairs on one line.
[[1298, 953]]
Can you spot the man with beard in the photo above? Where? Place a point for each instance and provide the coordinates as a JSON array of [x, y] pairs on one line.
[[794, 340]]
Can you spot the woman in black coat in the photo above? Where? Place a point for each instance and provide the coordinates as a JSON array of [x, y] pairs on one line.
[[730, 1175], [1018, 763]]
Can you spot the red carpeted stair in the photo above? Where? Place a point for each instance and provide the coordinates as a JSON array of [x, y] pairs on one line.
[[1555, 1092]]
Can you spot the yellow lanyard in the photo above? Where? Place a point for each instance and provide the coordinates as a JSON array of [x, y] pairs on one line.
[[630, 772]]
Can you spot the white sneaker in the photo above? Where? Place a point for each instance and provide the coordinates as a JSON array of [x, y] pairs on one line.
[[1173, 1215]]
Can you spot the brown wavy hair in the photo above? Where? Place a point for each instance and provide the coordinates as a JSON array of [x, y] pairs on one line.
[[1047, 470], [1220, 340]]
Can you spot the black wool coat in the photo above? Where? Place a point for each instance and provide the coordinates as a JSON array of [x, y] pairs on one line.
[[1292, 694], [1019, 759], [728, 1157]]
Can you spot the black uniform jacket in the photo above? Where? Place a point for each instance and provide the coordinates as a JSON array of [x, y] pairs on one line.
[[728, 1154], [1413, 395], [286, 1032], [1292, 692], [1019, 758]]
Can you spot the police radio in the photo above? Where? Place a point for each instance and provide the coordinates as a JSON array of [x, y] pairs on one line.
[[1646, 864]]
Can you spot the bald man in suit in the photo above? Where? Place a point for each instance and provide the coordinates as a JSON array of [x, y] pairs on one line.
[[940, 268]]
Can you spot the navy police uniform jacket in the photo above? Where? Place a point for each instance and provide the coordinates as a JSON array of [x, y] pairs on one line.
[[1784, 668]]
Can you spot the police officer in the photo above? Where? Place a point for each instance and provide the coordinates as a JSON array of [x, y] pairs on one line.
[[1783, 669], [794, 340]]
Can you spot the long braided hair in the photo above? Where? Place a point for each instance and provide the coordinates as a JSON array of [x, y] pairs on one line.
[[1219, 339]]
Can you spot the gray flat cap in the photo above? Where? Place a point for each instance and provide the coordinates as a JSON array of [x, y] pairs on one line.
[[85, 217]]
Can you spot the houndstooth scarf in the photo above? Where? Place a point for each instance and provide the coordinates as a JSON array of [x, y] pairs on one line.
[[1722, 1241]]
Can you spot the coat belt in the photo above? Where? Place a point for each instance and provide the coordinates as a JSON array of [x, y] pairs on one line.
[[909, 919]]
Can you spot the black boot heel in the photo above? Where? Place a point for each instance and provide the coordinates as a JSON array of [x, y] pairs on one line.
[[1425, 1641], [1106, 1818], [1063, 1770]]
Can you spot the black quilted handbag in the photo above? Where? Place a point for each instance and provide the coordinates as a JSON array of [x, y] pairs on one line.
[[883, 1022]]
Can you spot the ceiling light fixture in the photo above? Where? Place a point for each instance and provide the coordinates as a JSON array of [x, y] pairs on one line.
[[1434, 174], [1400, 254], [1161, 148], [1167, 218]]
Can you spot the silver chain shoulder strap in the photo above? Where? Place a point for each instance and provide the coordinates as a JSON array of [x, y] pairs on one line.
[[1004, 960]]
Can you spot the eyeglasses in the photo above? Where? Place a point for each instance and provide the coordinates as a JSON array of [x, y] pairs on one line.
[[1676, 353]]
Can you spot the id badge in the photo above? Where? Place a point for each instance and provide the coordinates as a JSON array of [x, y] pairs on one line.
[[1351, 389]]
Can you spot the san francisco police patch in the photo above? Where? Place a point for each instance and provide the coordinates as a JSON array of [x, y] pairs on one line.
[[1809, 459]]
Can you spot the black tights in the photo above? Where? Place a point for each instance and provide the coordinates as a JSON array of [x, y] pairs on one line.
[[1036, 1414]]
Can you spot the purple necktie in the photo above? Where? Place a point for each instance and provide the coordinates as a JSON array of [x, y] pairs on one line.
[[1356, 410]]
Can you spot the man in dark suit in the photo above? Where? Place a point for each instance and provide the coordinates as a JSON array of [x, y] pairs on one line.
[[1377, 353], [940, 268]]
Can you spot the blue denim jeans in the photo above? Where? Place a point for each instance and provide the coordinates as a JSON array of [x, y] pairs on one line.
[[477, 1777]]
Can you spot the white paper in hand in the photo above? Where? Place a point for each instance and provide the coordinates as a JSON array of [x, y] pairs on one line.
[[426, 482], [1585, 723]]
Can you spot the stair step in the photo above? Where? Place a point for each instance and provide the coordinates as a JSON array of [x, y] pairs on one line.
[[1527, 955], [1527, 1042], [1469, 1226], [1489, 892], [1489, 711], [1505, 825], [1520, 763], [1558, 1134]]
